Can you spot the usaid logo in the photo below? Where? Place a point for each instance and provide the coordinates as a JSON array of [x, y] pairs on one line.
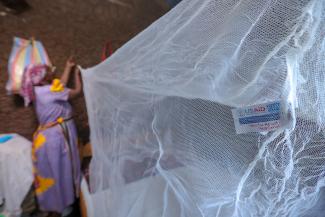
[[260, 109]]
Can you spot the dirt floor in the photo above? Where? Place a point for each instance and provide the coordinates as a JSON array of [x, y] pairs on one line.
[[79, 27]]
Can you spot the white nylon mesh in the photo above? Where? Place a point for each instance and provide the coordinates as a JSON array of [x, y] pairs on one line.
[[160, 113]]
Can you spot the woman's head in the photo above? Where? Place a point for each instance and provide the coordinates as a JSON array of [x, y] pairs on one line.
[[49, 75], [35, 75]]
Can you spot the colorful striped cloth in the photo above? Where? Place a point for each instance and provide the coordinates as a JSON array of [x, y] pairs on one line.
[[24, 53]]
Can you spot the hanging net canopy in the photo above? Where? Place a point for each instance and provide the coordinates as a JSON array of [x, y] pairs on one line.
[[165, 137]]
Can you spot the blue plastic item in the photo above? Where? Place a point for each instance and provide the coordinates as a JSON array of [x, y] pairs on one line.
[[5, 138]]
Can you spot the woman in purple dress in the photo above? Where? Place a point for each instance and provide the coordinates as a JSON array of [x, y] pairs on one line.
[[55, 150]]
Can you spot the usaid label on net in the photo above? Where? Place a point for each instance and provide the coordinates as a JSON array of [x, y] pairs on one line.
[[261, 118]]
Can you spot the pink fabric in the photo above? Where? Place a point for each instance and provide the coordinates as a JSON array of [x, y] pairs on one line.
[[33, 75]]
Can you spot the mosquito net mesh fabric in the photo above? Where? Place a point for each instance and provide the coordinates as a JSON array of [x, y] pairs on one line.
[[162, 129]]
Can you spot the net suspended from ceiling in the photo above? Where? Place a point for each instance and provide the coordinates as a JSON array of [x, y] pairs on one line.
[[162, 126]]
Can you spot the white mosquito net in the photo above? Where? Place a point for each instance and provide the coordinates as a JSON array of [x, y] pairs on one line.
[[162, 130]]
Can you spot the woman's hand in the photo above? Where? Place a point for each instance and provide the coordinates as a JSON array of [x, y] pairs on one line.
[[68, 68], [70, 62]]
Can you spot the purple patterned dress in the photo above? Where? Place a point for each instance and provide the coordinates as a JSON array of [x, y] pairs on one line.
[[55, 151]]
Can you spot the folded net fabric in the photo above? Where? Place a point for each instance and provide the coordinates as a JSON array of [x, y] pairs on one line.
[[160, 109], [16, 173]]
